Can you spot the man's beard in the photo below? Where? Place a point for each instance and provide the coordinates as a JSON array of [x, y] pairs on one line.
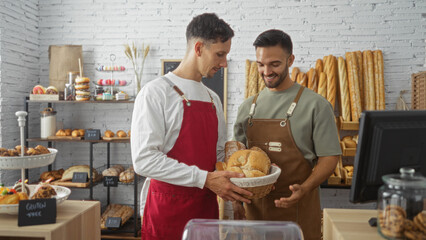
[[281, 78]]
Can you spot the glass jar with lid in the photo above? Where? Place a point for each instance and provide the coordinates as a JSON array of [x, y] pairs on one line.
[[47, 122], [401, 206]]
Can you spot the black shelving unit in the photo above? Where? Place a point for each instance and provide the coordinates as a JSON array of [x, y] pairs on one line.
[[135, 223]]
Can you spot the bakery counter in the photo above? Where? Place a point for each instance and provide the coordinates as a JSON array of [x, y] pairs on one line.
[[74, 220], [349, 224]]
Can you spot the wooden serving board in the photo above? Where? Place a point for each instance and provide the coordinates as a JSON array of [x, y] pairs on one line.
[[115, 138], [64, 137]]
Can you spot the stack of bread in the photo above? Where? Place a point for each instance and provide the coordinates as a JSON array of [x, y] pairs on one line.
[[16, 152], [116, 210], [82, 87], [125, 176]]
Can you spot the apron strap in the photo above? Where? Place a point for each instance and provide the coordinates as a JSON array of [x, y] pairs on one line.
[[188, 103], [253, 106]]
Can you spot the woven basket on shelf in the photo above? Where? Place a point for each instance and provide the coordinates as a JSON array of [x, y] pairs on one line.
[[259, 186], [418, 90]]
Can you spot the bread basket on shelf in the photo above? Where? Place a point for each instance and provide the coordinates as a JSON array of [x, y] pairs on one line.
[[259, 186]]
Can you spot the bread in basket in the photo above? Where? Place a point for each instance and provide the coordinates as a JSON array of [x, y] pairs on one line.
[[255, 164]]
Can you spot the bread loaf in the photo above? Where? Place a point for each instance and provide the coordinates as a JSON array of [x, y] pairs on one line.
[[109, 133], [294, 73], [127, 176], [116, 210], [368, 69], [331, 80], [319, 67], [252, 163], [379, 80], [68, 132], [247, 78], [322, 85], [253, 79], [60, 132], [312, 80], [344, 90], [302, 79], [121, 133], [231, 147], [353, 86], [75, 133], [260, 83], [358, 55], [67, 175]]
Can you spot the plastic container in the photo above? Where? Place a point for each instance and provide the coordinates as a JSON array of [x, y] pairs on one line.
[[47, 123], [401, 201], [210, 229]]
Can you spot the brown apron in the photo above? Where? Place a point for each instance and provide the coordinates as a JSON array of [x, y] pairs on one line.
[[275, 138]]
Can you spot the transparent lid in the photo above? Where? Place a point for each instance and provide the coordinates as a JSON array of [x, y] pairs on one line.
[[406, 178], [210, 229]]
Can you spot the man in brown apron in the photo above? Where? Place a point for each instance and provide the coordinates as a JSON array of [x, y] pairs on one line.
[[310, 140]]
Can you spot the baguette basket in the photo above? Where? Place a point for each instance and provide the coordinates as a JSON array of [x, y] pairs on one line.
[[259, 186]]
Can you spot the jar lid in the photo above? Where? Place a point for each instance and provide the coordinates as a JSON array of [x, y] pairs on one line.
[[406, 178], [48, 112]]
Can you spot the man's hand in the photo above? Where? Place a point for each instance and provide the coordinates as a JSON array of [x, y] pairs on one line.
[[297, 193], [220, 184], [239, 211]]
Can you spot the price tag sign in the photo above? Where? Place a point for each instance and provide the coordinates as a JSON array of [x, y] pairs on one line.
[[113, 222], [92, 134], [110, 181], [80, 177], [37, 212]]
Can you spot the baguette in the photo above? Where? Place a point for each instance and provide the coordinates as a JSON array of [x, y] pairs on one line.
[[294, 73], [260, 83], [322, 85], [344, 90], [368, 69], [247, 77], [358, 55], [353, 86], [302, 79], [252, 89], [379, 80], [312, 80], [319, 66], [331, 80]]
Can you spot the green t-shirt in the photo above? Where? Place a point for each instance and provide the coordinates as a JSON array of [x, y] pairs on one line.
[[312, 125]]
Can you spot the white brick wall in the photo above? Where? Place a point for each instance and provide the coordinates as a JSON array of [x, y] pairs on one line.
[[318, 28]]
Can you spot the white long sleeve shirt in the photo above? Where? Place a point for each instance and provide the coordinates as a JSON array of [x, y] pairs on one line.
[[156, 122]]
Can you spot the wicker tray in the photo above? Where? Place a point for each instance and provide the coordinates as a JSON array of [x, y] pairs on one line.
[[28, 161], [418, 90], [259, 186]]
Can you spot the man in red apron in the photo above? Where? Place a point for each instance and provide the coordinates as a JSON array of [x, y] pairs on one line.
[[178, 135], [296, 128]]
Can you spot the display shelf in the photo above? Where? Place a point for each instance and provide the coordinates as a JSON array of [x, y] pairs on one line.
[[80, 102], [347, 152], [75, 140], [128, 227]]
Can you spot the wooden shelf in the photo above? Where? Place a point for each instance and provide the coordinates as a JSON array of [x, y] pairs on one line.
[[347, 152], [79, 102], [342, 125], [75, 140]]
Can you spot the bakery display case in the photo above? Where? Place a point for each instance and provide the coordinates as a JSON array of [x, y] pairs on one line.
[[132, 221]]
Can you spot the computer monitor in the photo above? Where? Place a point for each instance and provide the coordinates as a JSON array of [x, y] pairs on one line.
[[387, 141]]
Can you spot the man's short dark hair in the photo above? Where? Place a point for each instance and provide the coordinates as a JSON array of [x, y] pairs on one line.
[[272, 38], [209, 27]]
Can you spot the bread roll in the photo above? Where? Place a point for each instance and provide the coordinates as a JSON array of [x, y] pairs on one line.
[[319, 66], [121, 133], [253, 79], [81, 132], [331, 80], [358, 55], [247, 79], [127, 176], [345, 104], [231, 147], [379, 80], [349, 143], [75, 133], [368, 70], [128, 133], [18, 149], [294, 73], [68, 132], [322, 85], [42, 149], [252, 163], [60, 132], [312, 80], [353, 86], [114, 172], [302, 79], [109, 133]]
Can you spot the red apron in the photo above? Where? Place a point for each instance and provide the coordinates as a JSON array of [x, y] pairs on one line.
[[169, 207]]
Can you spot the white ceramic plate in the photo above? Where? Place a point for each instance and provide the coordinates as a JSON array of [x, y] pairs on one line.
[[62, 194]]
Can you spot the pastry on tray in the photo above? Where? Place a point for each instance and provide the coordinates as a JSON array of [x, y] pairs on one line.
[[44, 190]]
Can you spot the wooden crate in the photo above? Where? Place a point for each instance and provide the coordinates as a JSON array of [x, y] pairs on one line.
[[347, 152], [418, 90], [345, 125], [336, 179]]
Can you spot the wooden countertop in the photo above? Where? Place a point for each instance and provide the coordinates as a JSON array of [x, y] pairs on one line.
[[74, 220], [349, 224]]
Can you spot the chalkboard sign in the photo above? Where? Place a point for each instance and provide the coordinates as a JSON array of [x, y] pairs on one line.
[[218, 83], [110, 181], [92, 134], [80, 177], [37, 212], [113, 222]]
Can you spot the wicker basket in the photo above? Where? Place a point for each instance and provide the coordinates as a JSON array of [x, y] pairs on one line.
[[418, 90], [259, 186]]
